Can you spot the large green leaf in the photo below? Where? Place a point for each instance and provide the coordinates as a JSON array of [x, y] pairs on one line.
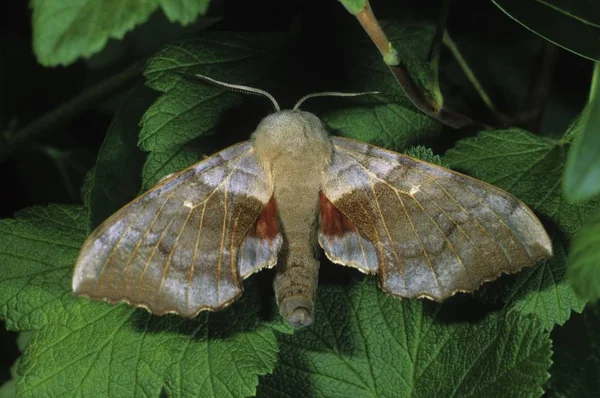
[[161, 163], [576, 361], [64, 30], [530, 168], [584, 260], [582, 174], [389, 118], [116, 178], [571, 24], [189, 108], [184, 11], [85, 348], [365, 343]]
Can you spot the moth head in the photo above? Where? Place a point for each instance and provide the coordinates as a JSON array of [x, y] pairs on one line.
[[288, 134]]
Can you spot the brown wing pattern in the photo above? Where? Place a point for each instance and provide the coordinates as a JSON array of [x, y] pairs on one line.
[[435, 232], [174, 249]]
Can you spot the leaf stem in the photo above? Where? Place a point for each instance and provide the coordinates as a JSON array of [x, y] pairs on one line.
[[436, 49], [423, 101], [12, 142], [539, 90], [498, 115]]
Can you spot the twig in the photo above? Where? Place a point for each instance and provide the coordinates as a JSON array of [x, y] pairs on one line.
[[11, 142], [436, 48], [539, 90], [500, 117], [421, 100]]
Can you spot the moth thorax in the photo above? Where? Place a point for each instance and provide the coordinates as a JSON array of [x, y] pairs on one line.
[[293, 134]]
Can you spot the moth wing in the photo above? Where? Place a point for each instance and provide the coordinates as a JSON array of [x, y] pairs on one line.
[[433, 232], [175, 248]]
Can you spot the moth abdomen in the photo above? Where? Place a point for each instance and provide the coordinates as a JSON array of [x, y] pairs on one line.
[[295, 287]]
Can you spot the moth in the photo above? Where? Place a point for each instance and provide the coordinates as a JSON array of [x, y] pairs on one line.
[[187, 244]]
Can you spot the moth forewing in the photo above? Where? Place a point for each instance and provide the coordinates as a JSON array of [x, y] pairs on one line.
[[437, 232], [174, 249]]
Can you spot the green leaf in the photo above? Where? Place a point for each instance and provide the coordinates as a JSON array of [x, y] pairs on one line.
[[85, 348], [190, 108], [9, 389], [424, 153], [531, 169], [576, 361], [116, 178], [571, 24], [584, 260], [161, 163], [184, 11], [365, 343], [582, 174], [387, 119], [66, 30], [37, 253]]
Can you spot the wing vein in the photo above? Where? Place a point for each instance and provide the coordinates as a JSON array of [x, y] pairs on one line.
[[450, 245], [130, 226], [362, 248], [387, 232], [162, 236], [172, 251], [194, 257], [139, 242], [220, 260], [483, 229], [423, 249], [481, 202]]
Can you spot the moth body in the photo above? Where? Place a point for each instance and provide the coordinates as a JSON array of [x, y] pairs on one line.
[[295, 151]]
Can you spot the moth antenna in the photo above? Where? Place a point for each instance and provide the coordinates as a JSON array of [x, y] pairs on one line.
[[331, 94], [241, 89]]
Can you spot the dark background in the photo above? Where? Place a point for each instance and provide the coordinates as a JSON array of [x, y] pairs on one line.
[[31, 174]]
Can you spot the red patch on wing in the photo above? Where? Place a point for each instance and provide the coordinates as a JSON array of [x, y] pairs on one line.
[[333, 222], [266, 225]]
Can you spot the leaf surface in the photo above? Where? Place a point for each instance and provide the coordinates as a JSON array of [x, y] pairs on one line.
[[584, 260], [190, 108], [184, 11], [582, 174], [115, 180], [64, 30], [365, 343]]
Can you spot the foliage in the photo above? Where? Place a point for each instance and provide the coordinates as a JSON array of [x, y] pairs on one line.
[[66, 30], [577, 356], [366, 343], [584, 260], [574, 25], [523, 335], [582, 175]]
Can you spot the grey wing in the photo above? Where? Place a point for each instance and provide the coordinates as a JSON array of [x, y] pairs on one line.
[[175, 248], [434, 232]]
